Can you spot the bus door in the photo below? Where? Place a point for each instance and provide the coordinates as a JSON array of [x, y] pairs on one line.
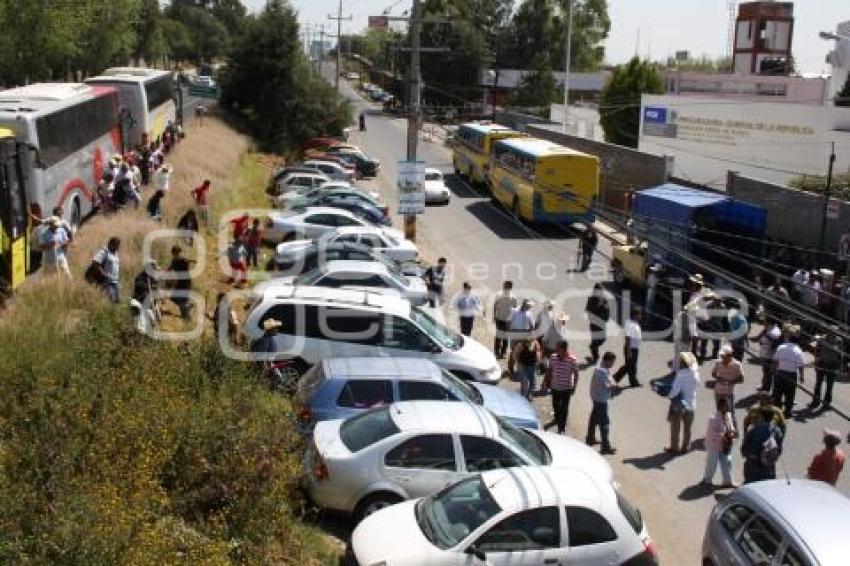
[[14, 218]]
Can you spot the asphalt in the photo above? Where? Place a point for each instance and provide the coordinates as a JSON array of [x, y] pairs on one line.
[[485, 245]]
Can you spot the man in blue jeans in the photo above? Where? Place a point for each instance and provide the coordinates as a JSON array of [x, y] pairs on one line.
[[601, 386]]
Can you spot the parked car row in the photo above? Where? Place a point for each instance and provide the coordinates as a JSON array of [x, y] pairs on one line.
[[376, 93]]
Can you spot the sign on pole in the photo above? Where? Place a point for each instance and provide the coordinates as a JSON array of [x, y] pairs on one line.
[[844, 248], [411, 187], [833, 209], [378, 21]]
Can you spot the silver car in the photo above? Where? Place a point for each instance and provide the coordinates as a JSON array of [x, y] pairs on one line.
[[779, 522]]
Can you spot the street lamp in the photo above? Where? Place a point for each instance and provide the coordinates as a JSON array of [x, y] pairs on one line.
[[567, 57]]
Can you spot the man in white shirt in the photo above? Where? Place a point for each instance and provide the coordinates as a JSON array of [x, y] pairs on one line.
[[502, 308], [789, 364], [468, 306], [631, 348]]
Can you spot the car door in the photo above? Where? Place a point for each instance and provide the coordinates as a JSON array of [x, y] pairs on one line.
[[530, 537], [590, 538], [317, 224], [480, 454], [400, 338], [358, 395], [422, 464]]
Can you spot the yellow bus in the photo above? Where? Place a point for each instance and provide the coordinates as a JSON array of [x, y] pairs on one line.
[[540, 181], [472, 146]]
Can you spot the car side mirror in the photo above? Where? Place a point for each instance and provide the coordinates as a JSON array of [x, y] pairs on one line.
[[476, 552]]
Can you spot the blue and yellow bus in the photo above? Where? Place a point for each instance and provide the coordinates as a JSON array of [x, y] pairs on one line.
[[472, 146], [540, 181]]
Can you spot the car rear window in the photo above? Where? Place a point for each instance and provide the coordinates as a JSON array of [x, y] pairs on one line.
[[365, 394], [365, 430], [630, 512]]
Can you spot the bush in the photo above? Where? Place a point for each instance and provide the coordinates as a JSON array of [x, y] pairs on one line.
[[120, 449]]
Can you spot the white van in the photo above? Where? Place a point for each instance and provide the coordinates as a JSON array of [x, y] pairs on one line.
[[320, 323]]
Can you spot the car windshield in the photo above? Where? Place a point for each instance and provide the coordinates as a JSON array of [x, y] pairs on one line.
[[443, 335], [308, 278], [448, 517], [366, 429], [524, 441], [461, 389]]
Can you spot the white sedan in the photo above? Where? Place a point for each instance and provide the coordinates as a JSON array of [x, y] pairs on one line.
[[415, 448], [519, 516], [435, 187], [310, 223], [387, 241]]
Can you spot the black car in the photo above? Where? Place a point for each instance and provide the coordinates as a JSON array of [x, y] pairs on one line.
[[365, 166], [309, 257]]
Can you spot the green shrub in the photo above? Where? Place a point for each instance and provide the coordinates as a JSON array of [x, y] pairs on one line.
[[119, 449]]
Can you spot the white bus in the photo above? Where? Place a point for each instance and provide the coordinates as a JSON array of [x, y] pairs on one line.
[[75, 128], [150, 99]]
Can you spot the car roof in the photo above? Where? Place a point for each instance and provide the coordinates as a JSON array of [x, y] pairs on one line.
[[441, 417], [355, 265], [381, 368], [358, 230], [360, 298], [323, 162], [303, 173], [817, 512], [526, 487], [327, 210]]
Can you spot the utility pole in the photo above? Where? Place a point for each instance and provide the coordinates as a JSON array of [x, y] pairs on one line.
[[413, 110], [567, 57], [339, 20], [827, 192]]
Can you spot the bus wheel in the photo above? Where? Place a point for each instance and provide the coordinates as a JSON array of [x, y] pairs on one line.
[[76, 215]]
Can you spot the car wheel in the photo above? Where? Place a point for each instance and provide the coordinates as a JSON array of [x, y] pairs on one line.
[[374, 503]]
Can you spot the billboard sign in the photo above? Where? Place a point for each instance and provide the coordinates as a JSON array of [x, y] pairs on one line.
[[378, 21], [659, 121], [411, 187]]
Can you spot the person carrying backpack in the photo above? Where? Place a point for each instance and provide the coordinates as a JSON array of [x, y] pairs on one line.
[[761, 449]]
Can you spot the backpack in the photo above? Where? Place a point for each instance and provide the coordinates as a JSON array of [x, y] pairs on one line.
[[769, 450]]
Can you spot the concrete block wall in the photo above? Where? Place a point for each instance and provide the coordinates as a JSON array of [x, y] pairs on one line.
[[792, 215]]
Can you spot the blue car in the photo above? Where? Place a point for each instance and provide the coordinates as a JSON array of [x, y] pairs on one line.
[[338, 388], [358, 207]]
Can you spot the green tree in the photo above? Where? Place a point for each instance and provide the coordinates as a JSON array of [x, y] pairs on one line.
[[178, 40], [269, 83], [538, 88], [842, 97], [619, 107], [209, 38], [151, 45]]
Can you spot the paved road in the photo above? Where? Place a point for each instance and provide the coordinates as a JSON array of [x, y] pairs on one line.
[[485, 246]]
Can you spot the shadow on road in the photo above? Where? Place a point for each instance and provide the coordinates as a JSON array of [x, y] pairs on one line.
[[654, 462], [503, 225], [460, 188], [696, 491]]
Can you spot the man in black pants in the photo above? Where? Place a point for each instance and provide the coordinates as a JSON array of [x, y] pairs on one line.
[[630, 350], [562, 376], [789, 364]]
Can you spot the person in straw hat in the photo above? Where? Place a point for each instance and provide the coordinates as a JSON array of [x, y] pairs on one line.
[[826, 466], [683, 398]]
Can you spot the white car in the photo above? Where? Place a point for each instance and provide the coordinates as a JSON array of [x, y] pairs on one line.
[[320, 323], [333, 171], [362, 274], [310, 223], [301, 180], [519, 516], [387, 241], [415, 448], [435, 187], [302, 196]]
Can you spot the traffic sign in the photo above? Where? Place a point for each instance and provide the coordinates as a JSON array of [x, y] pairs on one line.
[[411, 187], [844, 247]]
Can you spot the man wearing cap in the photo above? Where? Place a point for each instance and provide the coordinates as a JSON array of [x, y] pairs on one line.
[[827, 465], [54, 243], [789, 365], [727, 373], [521, 321], [266, 346], [549, 326], [769, 340]]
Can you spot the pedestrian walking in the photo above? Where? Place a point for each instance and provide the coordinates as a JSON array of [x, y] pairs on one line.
[[525, 356], [683, 398], [631, 349], [739, 331], [189, 223], [181, 282], [601, 387], [727, 373], [589, 241], [224, 320], [653, 277], [712, 327], [434, 277], [598, 312], [162, 178], [144, 304], [503, 306], [562, 380], [789, 367], [549, 328], [769, 340], [201, 196], [362, 121], [684, 327], [719, 438], [826, 466], [237, 255], [54, 242], [253, 239], [761, 449], [154, 206], [266, 347], [240, 224], [829, 360], [105, 269], [764, 404], [468, 306]]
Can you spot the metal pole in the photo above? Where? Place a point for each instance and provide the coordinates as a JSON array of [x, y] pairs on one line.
[[827, 191], [338, 41], [413, 105], [567, 57]]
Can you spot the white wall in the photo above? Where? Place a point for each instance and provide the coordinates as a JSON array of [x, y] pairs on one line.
[[583, 121], [771, 141]]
